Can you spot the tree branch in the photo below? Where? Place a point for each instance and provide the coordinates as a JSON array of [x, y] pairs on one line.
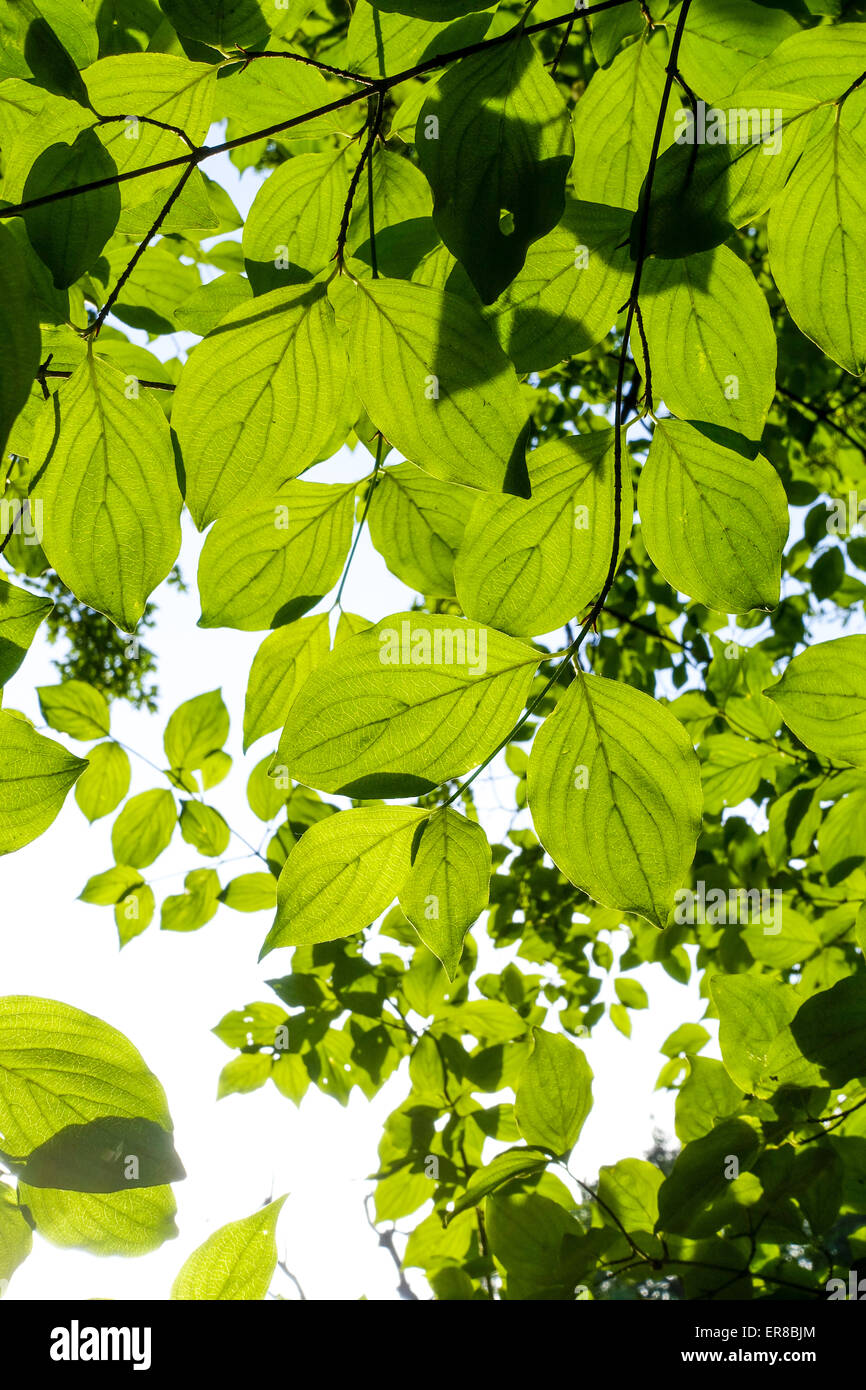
[[374, 121], [379, 84], [92, 329], [386, 1240], [599, 604]]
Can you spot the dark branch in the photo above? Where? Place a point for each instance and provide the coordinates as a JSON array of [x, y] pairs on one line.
[[373, 123], [92, 329], [380, 84]]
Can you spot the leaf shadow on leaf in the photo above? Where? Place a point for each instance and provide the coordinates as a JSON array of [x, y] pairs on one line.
[[839, 872], [690, 191], [70, 235], [98, 1157], [496, 250], [295, 608], [727, 438], [51, 65], [265, 276]]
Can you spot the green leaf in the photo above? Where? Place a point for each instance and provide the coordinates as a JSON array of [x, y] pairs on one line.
[[614, 791], [215, 768], [257, 1023], [432, 9], [295, 217], [211, 303], [434, 380], [144, 92], [265, 564], [630, 992], [752, 1010], [35, 775], [796, 942], [554, 1094], [266, 795], [224, 24], [250, 893], [236, 1262], [381, 42], [609, 28], [255, 92], [525, 1232], [703, 1171], [629, 1189], [257, 400], [104, 782], [689, 1037], [840, 838], [34, 119], [108, 1154], [529, 566], [494, 137], [505, 1168], [570, 290], [144, 828], [406, 705], [47, 43], [714, 523], [204, 828], [134, 913], [448, 887], [707, 1095], [712, 349], [109, 489], [75, 708], [615, 121], [294, 222], [244, 1074], [416, 523], [822, 698], [701, 191], [69, 234], [342, 874], [21, 612], [732, 770], [817, 233], [61, 1067], [20, 343], [111, 886], [190, 910], [823, 1043], [280, 667], [820, 62], [157, 285], [112, 1223], [197, 728], [16, 1238], [724, 39]]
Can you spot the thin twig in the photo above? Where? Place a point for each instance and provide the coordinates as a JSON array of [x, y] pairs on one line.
[[373, 124], [824, 416], [250, 55], [380, 444], [152, 385], [386, 1240], [151, 120], [92, 329], [289, 1275]]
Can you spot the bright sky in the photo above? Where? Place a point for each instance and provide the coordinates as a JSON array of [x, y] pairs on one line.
[[166, 991]]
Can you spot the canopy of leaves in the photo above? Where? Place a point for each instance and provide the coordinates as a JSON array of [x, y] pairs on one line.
[[583, 300]]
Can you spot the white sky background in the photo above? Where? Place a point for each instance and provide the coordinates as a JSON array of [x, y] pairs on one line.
[[166, 991]]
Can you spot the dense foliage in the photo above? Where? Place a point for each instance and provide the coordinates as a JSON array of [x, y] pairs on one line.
[[589, 289]]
